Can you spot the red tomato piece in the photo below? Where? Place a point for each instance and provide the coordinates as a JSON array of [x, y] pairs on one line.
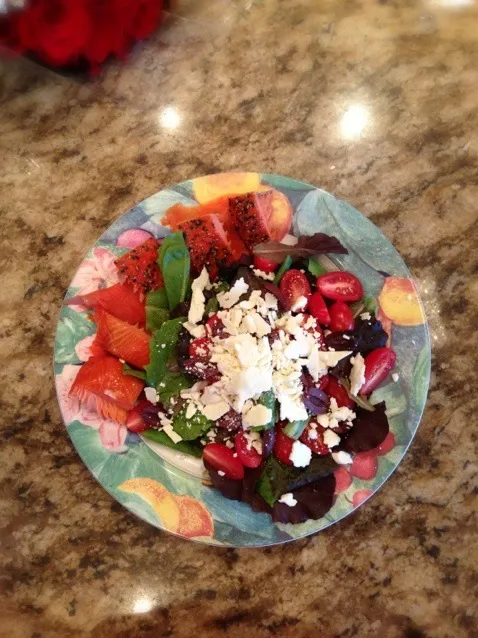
[[294, 285], [248, 456], [223, 460], [341, 317], [337, 391], [135, 421], [266, 265], [282, 446], [340, 286], [317, 444], [377, 366], [318, 309]]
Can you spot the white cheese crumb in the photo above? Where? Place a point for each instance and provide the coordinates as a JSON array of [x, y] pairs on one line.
[[229, 444], [300, 304], [395, 377], [198, 301], [331, 439], [288, 499], [230, 298], [191, 410], [198, 332], [312, 434], [342, 458], [365, 316], [256, 416], [269, 276], [215, 411], [151, 395], [168, 428], [221, 473], [357, 374], [300, 454], [289, 240]]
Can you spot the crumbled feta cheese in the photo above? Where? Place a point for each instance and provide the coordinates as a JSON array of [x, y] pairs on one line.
[[168, 429], [253, 440], [269, 276], [357, 374], [256, 416], [198, 300], [300, 454], [365, 316], [215, 411], [318, 361], [342, 458], [230, 298], [221, 473], [312, 434], [191, 410], [229, 444], [197, 331], [331, 439], [300, 304], [395, 377], [151, 395], [288, 499]]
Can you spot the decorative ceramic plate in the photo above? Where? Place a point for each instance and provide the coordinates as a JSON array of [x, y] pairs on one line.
[[161, 486]]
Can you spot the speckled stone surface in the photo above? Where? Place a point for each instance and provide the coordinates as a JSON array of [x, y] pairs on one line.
[[375, 101]]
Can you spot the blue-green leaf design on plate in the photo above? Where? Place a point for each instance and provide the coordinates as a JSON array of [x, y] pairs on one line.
[[157, 205], [235, 524], [72, 327]]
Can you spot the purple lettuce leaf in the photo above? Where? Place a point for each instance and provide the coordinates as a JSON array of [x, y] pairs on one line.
[[307, 246], [316, 401], [368, 431]]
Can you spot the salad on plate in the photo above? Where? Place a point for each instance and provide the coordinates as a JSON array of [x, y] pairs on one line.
[[244, 349]]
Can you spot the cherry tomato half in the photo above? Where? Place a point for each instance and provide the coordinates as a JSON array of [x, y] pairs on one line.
[[223, 460], [377, 366], [283, 446], [317, 308], [248, 456], [341, 317], [340, 286], [294, 285], [266, 265]]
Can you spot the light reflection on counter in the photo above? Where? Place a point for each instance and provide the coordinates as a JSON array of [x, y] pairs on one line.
[[142, 605], [170, 118], [353, 121]]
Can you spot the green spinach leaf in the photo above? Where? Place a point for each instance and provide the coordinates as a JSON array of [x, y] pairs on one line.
[[157, 298], [286, 264], [161, 346], [190, 429], [175, 265], [155, 317], [171, 385], [315, 268], [127, 369], [158, 436]]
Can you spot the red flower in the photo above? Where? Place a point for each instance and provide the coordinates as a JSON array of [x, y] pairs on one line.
[[56, 30]]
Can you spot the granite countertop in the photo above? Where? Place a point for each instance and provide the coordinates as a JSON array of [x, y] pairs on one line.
[[374, 100]]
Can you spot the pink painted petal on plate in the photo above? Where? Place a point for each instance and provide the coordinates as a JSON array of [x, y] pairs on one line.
[[133, 238], [83, 348], [70, 407], [113, 436]]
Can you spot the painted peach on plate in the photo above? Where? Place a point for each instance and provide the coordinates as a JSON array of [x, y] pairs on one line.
[[182, 515], [194, 519], [161, 500], [214, 186], [399, 302]]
